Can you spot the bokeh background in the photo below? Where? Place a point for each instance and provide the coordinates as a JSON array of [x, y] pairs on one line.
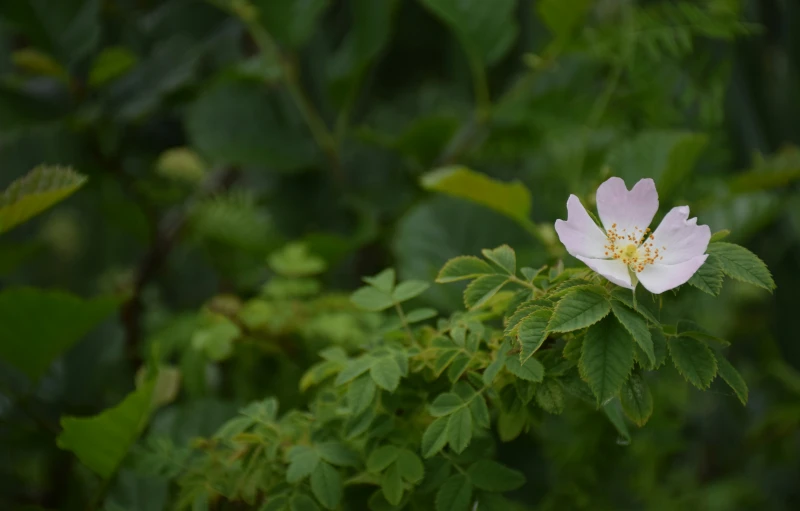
[[214, 133]]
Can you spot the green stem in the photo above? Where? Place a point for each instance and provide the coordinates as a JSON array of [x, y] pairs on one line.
[[404, 322]]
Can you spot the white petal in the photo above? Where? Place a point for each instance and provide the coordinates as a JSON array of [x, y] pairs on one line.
[[683, 238], [613, 269], [658, 278], [579, 233], [630, 210]]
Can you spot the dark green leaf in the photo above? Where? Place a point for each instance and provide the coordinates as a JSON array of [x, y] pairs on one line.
[[292, 22], [37, 326], [435, 437], [410, 466], [550, 396], [338, 454], [455, 494], [386, 373], [492, 476], [360, 394], [636, 400], [607, 358], [579, 309], [303, 460], [381, 458], [326, 484], [637, 327], [694, 360], [504, 257], [392, 485], [739, 263], [302, 502], [732, 378], [708, 278], [459, 429], [445, 404], [532, 332], [353, 369], [482, 289]]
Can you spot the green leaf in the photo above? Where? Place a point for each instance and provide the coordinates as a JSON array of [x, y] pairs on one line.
[[238, 123], [392, 485], [614, 415], [719, 235], [510, 199], [37, 326], [383, 281], [665, 156], [455, 494], [579, 309], [637, 327], [302, 502], [462, 268], [110, 64], [386, 373], [216, 340], [499, 361], [636, 400], [303, 461], [354, 369], [550, 396], [482, 289], [459, 429], [504, 257], [418, 315], [435, 437], [326, 484], [410, 466], [694, 360], [531, 370], [291, 22], [562, 18], [35, 192], [181, 164], [739, 263], [732, 378], [371, 299], [381, 458], [607, 358], [102, 442], [708, 278], [626, 296], [480, 412], [295, 260], [409, 289], [360, 394], [532, 332], [445, 404], [492, 476], [338, 454]]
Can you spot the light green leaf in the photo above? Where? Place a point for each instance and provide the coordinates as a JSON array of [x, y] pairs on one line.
[[579, 309], [337, 454], [181, 164], [455, 494], [303, 460], [295, 260], [607, 358], [435, 437], [292, 22], [386, 373], [503, 256], [326, 484], [35, 192], [482, 289], [694, 360], [37, 326], [418, 315], [732, 378], [492, 476], [459, 429], [532, 332], [510, 199], [637, 327], [360, 394], [101, 442], [708, 278], [216, 340], [371, 299], [445, 404], [739, 263], [462, 268], [354, 369], [409, 289], [392, 485], [410, 466], [550, 396], [381, 458], [720, 235], [665, 156], [383, 281], [636, 400], [531, 370]]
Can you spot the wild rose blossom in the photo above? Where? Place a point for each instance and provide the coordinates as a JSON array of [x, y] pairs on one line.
[[627, 251]]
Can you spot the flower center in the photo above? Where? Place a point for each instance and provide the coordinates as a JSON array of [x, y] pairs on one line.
[[636, 249]]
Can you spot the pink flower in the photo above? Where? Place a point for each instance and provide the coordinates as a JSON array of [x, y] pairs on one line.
[[628, 252]]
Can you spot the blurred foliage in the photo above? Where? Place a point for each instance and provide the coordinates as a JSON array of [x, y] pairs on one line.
[[242, 164]]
